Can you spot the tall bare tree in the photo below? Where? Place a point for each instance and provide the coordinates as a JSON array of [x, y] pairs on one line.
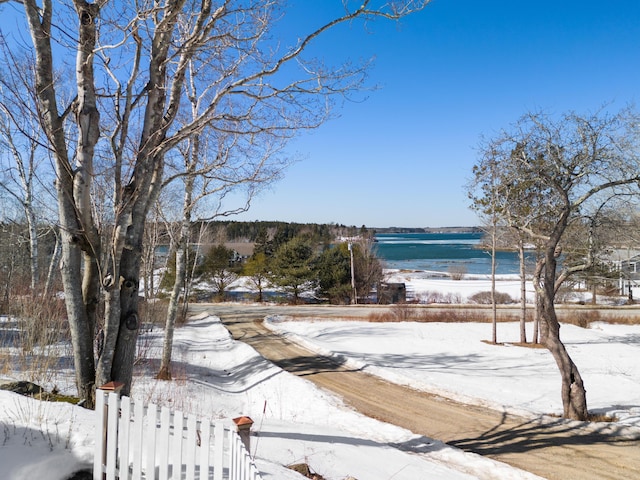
[[23, 176], [211, 167], [566, 166], [131, 67]]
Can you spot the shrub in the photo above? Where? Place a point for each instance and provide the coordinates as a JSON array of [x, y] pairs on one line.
[[457, 272], [440, 297], [581, 318], [484, 298]]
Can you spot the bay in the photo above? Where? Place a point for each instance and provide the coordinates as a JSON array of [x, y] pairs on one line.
[[442, 253]]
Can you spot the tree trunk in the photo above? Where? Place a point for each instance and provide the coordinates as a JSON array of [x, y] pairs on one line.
[[55, 259], [535, 338], [81, 326], [74, 234], [494, 310], [27, 185], [129, 317], [523, 292], [574, 397], [176, 292]]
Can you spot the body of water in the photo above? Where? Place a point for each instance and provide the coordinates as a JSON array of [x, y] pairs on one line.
[[440, 252]]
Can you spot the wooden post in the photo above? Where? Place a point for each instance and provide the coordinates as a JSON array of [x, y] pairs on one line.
[[115, 387], [243, 426]]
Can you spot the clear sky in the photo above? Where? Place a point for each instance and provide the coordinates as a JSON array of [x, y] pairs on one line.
[[456, 71]]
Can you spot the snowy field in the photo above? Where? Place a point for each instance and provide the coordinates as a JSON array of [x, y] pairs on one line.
[[295, 422]]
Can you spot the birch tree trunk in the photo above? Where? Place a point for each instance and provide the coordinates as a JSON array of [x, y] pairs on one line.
[[25, 198], [73, 233], [53, 263], [178, 289]]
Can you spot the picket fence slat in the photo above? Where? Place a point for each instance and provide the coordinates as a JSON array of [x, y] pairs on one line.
[[163, 444], [150, 441], [101, 429], [176, 451], [218, 451], [138, 413], [134, 442], [112, 441], [124, 433], [205, 451]]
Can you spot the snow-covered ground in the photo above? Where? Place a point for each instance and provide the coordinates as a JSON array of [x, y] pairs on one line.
[[295, 422]]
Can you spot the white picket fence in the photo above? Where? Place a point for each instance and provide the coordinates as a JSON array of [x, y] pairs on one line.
[[135, 442]]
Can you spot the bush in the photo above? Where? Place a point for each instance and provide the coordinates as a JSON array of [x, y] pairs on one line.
[[457, 272], [484, 298], [36, 338], [582, 318], [440, 297]]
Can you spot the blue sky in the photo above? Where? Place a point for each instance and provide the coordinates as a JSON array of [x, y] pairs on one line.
[[456, 71]]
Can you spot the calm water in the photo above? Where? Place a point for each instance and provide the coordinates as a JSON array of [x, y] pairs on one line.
[[440, 251]]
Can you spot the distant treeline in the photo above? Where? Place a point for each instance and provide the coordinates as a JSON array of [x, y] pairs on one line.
[[234, 231], [428, 230]]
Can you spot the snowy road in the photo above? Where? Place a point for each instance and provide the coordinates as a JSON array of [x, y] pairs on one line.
[[552, 449]]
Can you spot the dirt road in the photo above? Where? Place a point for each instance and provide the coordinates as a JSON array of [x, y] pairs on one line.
[[550, 449]]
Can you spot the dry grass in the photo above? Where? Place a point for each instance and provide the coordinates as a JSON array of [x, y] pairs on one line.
[[419, 313], [599, 417], [34, 340], [592, 417], [528, 345], [413, 313]]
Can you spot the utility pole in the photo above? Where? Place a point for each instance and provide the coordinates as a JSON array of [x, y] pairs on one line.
[[353, 276]]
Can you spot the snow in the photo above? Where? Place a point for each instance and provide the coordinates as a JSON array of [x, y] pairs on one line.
[[296, 422]]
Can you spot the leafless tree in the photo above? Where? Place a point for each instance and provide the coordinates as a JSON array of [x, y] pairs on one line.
[[132, 62], [564, 167], [23, 177]]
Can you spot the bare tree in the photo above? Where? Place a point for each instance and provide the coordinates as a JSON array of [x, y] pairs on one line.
[[566, 166], [483, 192], [211, 167], [368, 272], [131, 68], [23, 177]]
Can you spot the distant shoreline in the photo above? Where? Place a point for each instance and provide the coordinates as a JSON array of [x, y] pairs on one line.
[[427, 230]]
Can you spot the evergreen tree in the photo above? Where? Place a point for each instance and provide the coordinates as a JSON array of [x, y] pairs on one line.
[[293, 267], [220, 268], [333, 268], [262, 243]]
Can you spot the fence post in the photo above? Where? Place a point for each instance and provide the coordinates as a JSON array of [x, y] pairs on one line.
[[243, 426], [100, 454]]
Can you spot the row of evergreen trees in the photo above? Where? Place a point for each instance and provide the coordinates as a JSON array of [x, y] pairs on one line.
[[276, 232]]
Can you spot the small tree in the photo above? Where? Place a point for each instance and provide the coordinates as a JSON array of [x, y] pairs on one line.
[[366, 264], [293, 267], [220, 268], [256, 268], [333, 268]]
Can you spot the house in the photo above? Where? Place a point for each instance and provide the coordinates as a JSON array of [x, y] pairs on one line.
[[241, 250], [392, 293], [626, 261]]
